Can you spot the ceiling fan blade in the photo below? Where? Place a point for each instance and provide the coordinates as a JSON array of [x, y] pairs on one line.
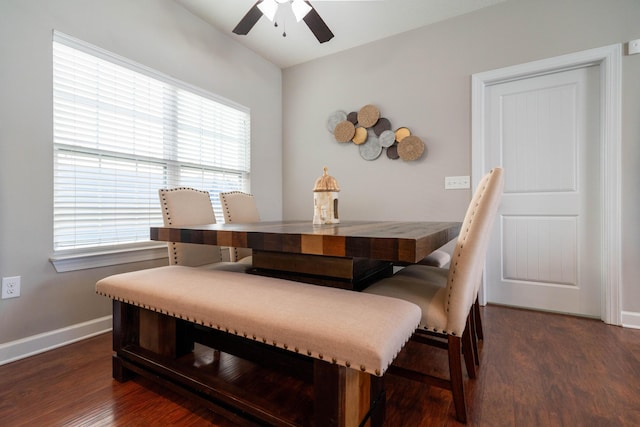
[[249, 20], [317, 25]]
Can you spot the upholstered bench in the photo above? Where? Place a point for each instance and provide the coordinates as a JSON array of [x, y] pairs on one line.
[[345, 339]]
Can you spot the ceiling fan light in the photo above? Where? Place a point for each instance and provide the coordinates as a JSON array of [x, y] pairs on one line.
[[268, 9], [300, 9]]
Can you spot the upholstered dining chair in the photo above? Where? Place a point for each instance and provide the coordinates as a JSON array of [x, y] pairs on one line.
[[189, 206], [447, 296], [441, 258], [239, 207]]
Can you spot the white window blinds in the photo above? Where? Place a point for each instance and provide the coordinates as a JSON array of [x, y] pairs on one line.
[[121, 132]]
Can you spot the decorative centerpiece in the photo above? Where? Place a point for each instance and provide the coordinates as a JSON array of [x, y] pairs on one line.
[[325, 200]]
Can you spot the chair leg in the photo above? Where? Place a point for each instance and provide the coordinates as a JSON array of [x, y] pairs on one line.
[[478, 319], [467, 349], [455, 373], [454, 345], [474, 337]]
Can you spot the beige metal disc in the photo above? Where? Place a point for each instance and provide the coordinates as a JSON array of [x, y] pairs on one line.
[[344, 131], [368, 115], [410, 148]]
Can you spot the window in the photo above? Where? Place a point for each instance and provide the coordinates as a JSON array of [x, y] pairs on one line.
[[122, 131]]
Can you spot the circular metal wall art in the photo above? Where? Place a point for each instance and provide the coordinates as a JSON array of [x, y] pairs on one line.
[[371, 149], [368, 115], [382, 125], [392, 152], [360, 136], [335, 118], [410, 148], [344, 131], [387, 138], [373, 134], [402, 133]]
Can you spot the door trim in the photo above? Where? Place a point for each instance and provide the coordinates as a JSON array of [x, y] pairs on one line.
[[608, 58]]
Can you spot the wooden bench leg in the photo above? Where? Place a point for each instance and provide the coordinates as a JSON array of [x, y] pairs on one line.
[[126, 321], [344, 397], [119, 372], [378, 402], [135, 326], [165, 335]]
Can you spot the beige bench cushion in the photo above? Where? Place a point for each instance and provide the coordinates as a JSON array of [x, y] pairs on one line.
[[349, 328]]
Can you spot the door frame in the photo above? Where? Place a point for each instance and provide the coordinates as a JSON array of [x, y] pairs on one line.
[[609, 59]]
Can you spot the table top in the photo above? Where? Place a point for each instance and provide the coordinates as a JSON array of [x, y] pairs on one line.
[[396, 241]]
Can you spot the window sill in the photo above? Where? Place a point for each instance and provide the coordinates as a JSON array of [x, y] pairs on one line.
[[106, 258]]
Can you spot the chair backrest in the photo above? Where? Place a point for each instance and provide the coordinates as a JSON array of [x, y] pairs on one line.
[[239, 207], [467, 261], [188, 206]]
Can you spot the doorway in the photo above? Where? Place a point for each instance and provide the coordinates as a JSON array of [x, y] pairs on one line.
[[553, 125]]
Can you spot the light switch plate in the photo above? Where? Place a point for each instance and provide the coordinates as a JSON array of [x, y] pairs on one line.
[[456, 182]]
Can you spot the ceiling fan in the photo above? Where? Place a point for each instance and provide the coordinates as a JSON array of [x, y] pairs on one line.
[[302, 10]]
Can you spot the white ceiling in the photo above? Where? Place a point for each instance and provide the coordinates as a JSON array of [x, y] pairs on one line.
[[353, 22]]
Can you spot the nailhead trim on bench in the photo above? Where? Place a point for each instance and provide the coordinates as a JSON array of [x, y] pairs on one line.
[[370, 338], [309, 352]]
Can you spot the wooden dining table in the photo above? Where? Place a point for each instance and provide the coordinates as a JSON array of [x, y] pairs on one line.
[[349, 255]]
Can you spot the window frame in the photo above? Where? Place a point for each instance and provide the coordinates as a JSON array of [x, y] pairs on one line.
[[107, 255]]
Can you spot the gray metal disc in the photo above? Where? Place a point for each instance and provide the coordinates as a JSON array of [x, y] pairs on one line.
[[387, 138], [371, 149], [335, 118]]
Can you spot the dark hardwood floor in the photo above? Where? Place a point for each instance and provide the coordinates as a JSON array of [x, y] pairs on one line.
[[537, 369]]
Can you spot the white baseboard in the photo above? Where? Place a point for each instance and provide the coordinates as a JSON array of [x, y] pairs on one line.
[[25, 347], [630, 319]]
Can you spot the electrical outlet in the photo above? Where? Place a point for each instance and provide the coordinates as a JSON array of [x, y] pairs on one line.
[[456, 182], [10, 287]]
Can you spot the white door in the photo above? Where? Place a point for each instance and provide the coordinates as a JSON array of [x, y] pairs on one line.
[[545, 249]]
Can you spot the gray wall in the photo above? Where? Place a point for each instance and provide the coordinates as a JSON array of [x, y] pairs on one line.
[[422, 80], [156, 33]]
